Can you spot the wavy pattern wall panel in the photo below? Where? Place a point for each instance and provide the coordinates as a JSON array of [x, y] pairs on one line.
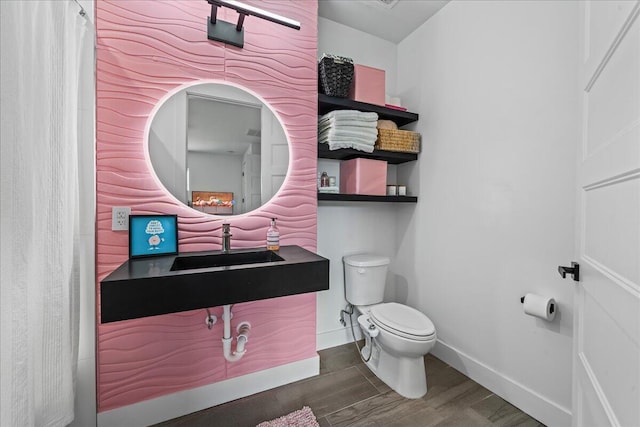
[[144, 51]]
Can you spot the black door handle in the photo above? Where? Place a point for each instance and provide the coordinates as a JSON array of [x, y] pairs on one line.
[[574, 270]]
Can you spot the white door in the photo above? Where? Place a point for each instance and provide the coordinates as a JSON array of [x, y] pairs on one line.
[[606, 378], [250, 182], [245, 188]]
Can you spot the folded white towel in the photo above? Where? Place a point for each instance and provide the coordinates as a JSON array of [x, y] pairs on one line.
[[363, 139], [347, 127], [350, 115], [362, 147], [333, 189], [347, 122], [336, 145], [350, 131]]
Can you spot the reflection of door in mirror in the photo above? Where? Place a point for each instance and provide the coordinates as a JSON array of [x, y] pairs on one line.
[[251, 182], [218, 138]]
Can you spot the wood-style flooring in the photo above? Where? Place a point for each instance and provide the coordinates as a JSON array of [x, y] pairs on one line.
[[346, 393]]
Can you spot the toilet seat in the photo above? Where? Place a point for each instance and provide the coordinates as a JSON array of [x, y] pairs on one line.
[[403, 321]]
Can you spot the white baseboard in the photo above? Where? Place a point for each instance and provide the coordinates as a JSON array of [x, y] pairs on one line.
[[534, 404], [337, 337], [185, 402]]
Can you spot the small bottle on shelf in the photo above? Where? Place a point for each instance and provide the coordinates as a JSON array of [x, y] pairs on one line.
[[273, 236], [324, 180]]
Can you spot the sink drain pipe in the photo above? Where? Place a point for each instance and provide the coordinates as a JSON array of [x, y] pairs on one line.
[[243, 336]]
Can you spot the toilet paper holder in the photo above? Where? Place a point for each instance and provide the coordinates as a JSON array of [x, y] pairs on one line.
[[552, 307]]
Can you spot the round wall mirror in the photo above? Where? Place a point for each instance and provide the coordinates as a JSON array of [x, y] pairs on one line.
[[218, 149]]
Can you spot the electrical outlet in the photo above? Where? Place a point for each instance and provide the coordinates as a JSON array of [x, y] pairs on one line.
[[120, 218]]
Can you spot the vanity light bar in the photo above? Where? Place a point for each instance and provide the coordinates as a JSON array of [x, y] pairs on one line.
[[225, 32], [245, 9]]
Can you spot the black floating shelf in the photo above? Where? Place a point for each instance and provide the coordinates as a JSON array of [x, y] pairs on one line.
[[330, 103], [365, 198], [390, 157]]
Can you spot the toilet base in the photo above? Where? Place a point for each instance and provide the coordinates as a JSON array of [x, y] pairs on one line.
[[405, 375]]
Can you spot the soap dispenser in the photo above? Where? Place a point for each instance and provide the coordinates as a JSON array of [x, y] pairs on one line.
[[273, 236]]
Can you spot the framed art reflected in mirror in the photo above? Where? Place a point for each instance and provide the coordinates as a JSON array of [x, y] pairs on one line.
[[213, 202]]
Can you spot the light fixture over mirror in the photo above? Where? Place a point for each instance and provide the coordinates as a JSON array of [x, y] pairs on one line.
[[234, 34], [218, 149]]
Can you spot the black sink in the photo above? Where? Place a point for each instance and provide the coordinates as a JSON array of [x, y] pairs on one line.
[[174, 283], [224, 260]]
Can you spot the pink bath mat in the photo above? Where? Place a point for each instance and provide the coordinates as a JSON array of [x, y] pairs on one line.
[[300, 418]]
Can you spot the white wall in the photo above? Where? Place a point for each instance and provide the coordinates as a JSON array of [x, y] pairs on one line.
[[215, 172], [363, 48], [495, 86], [350, 227], [167, 145]]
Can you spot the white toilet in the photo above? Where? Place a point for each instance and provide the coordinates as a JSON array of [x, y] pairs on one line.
[[396, 336]]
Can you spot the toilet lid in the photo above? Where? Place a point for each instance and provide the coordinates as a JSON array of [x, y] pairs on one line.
[[402, 320], [366, 260]]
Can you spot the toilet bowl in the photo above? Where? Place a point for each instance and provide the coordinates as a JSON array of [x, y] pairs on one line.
[[396, 336], [396, 348]]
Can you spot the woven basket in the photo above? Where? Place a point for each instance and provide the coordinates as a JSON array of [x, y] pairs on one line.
[[335, 74], [403, 141]]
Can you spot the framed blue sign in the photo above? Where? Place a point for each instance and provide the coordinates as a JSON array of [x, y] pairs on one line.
[[153, 235]]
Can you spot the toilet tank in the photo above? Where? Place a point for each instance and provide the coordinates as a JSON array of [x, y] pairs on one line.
[[365, 276]]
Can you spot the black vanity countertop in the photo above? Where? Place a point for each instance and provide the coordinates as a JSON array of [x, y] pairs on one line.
[[147, 287]]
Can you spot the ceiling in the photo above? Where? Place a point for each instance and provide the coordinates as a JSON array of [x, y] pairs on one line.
[[376, 18]]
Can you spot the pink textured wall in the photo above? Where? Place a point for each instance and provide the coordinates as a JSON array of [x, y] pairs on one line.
[[145, 50]]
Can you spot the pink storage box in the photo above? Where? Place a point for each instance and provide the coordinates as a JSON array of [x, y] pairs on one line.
[[368, 85], [363, 176]]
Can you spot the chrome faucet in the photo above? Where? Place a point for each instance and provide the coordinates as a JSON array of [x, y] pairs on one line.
[[226, 238]]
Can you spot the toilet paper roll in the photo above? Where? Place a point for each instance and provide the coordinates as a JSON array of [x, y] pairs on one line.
[[539, 306]]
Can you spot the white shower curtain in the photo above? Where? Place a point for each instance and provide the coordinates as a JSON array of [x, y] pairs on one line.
[[39, 58]]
